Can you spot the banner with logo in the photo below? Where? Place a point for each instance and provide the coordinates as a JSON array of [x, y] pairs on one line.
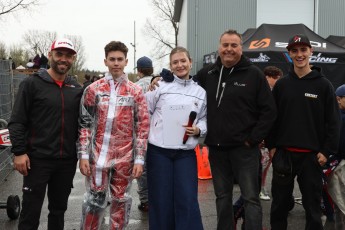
[[267, 46]]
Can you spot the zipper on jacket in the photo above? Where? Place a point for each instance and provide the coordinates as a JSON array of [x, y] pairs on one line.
[[223, 85], [62, 121]]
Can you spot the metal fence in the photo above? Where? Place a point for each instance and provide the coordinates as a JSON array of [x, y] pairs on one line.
[[6, 92]]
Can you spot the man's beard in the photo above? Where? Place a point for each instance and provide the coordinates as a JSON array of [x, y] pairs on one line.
[[55, 67]]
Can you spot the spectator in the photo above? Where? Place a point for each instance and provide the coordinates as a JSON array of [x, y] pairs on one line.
[[43, 130], [272, 74], [87, 82], [37, 62], [95, 78], [172, 170], [44, 62], [113, 132], [336, 181], [145, 70], [305, 133], [30, 64]]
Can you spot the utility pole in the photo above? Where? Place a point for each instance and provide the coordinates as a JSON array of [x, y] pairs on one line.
[[135, 50]]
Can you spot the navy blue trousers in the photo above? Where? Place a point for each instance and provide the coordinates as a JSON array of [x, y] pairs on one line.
[[173, 189]]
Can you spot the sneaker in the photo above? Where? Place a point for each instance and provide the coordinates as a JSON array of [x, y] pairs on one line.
[[264, 196], [144, 207]]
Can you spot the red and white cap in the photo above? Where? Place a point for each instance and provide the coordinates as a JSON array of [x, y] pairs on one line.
[[63, 43]]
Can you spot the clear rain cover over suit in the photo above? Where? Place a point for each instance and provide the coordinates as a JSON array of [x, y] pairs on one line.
[[113, 133]]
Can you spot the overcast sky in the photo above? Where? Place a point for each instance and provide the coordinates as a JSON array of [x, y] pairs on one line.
[[97, 22]]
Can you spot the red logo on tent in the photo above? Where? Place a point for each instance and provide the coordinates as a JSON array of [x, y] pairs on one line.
[[257, 44]]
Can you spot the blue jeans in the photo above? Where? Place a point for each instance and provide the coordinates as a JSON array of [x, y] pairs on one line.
[[173, 189], [243, 164]]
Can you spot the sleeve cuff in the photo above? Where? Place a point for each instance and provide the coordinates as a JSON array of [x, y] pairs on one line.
[[139, 161]]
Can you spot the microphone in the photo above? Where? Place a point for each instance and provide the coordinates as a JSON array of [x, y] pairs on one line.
[[191, 119]]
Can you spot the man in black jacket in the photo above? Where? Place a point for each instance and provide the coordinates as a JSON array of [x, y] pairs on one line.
[[240, 113], [43, 130], [305, 133]]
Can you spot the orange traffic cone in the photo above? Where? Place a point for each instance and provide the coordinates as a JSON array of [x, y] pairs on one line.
[[204, 170]]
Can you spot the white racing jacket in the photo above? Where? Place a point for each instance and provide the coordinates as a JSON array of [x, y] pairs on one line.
[[178, 92], [113, 123]]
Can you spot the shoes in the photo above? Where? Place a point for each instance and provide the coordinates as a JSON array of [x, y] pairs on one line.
[[144, 207], [264, 196]]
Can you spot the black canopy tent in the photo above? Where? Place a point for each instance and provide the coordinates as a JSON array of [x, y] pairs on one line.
[[338, 40], [267, 46]]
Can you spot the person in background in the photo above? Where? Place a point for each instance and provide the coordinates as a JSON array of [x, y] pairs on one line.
[[87, 82], [336, 167], [171, 162], [304, 135], [145, 71], [273, 74], [43, 130], [30, 64], [44, 62], [37, 61], [113, 133], [95, 78]]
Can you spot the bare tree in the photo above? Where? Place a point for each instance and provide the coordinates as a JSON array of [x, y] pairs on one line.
[[162, 29], [39, 41], [19, 55], [79, 47], [13, 6]]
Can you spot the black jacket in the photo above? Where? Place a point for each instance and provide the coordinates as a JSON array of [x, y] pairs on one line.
[[308, 113], [44, 120], [246, 108]]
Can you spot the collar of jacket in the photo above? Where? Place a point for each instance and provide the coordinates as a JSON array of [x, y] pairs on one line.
[[244, 63], [44, 75], [120, 79], [183, 81]]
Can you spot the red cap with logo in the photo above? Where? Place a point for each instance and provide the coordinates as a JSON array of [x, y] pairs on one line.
[[298, 39], [63, 43]]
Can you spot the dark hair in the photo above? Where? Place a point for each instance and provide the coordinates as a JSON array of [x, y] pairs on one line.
[[146, 71], [95, 78], [180, 49], [231, 32], [115, 46], [87, 77], [272, 71]]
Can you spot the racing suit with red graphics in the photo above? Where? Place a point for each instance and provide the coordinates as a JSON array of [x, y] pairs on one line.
[[113, 133]]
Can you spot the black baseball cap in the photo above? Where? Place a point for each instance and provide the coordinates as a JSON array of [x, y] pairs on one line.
[[298, 39]]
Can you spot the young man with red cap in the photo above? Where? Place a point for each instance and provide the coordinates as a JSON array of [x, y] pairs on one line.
[[304, 135], [43, 131]]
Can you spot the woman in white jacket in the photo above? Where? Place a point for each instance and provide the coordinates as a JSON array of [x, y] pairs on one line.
[[171, 159]]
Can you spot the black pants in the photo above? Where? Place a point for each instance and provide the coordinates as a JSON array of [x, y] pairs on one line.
[[58, 175], [309, 177]]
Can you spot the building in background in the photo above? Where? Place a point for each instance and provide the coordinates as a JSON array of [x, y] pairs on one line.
[[201, 22]]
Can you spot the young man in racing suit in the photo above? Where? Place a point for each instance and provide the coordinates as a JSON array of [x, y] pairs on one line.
[[113, 133]]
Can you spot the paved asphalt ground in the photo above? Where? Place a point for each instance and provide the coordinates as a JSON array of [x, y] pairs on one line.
[[138, 220]]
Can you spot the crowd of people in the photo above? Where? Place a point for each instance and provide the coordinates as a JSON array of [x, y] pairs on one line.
[[148, 130]]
